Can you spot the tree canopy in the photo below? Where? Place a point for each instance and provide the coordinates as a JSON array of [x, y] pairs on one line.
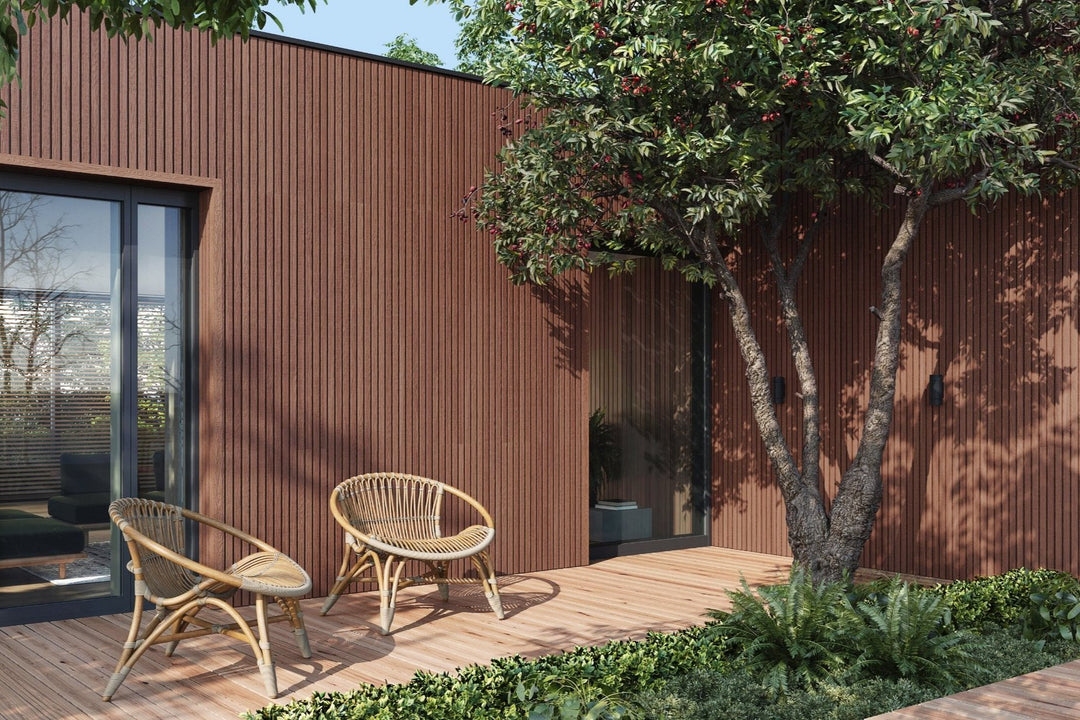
[[404, 47], [685, 129]]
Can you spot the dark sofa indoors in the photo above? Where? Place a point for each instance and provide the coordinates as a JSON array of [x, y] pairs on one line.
[[25, 536], [84, 489]]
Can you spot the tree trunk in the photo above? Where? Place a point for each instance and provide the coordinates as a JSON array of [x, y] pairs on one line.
[[859, 495], [807, 522], [828, 545]]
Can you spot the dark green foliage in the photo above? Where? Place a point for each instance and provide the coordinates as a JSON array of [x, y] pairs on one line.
[[604, 454], [515, 687], [796, 632], [1053, 615], [808, 634], [1001, 600], [840, 653], [905, 634], [707, 695]]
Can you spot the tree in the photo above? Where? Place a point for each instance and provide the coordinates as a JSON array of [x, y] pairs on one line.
[[690, 130], [405, 48], [134, 18], [33, 274]]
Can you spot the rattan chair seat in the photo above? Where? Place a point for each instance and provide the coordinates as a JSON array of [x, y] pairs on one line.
[[271, 573], [468, 542]]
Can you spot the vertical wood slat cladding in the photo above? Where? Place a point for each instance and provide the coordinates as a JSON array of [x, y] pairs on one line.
[[985, 482], [347, 324]]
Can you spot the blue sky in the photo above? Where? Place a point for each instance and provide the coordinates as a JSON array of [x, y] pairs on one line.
[[367, 25]]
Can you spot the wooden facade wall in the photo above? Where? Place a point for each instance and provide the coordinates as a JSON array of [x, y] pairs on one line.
[[991, 479], [347, 323]]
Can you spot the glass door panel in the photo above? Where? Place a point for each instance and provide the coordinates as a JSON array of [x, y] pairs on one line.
[[162, 391], [59, 320], [645, 487]]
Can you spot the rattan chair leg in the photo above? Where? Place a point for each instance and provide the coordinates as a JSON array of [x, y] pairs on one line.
[[181, 625], [291, 607], [346, 576], [388, 591], [444, 588], [487, 580], [265, 660], [130, 645]]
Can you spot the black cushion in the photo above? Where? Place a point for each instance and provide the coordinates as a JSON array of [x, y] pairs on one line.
[[81, 509], [159, 470], [85, 473], [12, 513], [35, 536]]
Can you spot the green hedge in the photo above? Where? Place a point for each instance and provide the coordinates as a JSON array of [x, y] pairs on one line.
[[621, 669], [1002, 600]]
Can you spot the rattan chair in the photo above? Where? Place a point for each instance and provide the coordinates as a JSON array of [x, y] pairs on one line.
[[182, 588], [390, 519]]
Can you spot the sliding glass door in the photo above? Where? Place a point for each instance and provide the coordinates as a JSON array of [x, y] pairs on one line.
[[94, 338]]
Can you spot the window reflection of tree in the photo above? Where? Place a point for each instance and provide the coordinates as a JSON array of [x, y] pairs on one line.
[[44, 327]]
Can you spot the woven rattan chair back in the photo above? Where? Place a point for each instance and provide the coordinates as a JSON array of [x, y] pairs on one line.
[[164, 525], [388, 506]]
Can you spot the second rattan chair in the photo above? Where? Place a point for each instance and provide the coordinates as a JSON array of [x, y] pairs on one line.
[[181, 587], [391, 519]]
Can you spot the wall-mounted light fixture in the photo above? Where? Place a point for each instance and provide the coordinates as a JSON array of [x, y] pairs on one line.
[[935, 392], [779, 390]]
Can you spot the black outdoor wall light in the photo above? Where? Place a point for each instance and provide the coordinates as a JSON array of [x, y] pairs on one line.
[[936, 390], [779, 390]]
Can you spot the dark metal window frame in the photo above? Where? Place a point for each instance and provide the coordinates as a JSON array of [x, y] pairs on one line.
[[130, 196]]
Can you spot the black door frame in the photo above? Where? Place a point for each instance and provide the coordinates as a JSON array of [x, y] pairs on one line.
[[130, 197]]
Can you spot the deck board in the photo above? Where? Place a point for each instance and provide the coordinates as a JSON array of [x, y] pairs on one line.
[[57, 670], [1050, 694]]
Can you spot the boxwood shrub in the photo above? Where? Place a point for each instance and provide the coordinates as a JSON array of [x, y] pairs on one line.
[[623, 669], [1002, 600]]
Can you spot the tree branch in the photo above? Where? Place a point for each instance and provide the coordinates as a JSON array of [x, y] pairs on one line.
[[1064, 163], [942, 197]]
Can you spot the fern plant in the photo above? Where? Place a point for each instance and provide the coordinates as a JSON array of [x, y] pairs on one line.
[[905, 635], [797, 632]]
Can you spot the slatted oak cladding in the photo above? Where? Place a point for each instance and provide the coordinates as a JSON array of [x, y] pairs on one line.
[[991, 479], [347, 323]]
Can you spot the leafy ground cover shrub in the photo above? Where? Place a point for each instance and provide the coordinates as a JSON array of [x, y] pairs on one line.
[[806, 634], [905, 633], [1001, 600], [793, 633], [595, 677], [737, 695], [853, 652]]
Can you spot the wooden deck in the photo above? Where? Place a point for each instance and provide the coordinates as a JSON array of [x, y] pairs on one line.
[[57, 670], [1050, 694]]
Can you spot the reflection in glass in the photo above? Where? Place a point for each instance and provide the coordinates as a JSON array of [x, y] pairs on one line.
[[161, 353], [642, 480], [59, 262]]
